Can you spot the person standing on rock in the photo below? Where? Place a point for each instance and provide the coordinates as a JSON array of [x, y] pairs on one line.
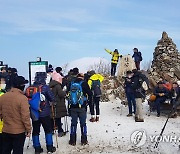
[[114, 61], [137, 58]]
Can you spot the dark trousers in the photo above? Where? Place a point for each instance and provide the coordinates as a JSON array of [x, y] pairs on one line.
[[58, 124], [95, 102], [1, 143], [13, 142], [46, 124], [78, 113], [113, 69], [131, 102], [158, 102], [137, 63]]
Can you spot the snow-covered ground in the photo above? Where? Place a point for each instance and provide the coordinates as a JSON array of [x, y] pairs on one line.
[[113, 132]]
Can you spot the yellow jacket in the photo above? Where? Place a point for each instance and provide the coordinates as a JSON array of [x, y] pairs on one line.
[[1, 125], [95, 77], [115, 56], [1, 122]]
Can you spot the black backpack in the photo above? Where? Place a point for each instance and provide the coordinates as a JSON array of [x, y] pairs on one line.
[[140, 56], [96, 88]]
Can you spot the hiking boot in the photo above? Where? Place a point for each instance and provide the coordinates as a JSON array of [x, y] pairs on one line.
[[97, 119], [72, 140], [84, 140], [50, 149], [129, 115], [139, 120], [92, 120], [174, 115], [38, 150], [61, 134]]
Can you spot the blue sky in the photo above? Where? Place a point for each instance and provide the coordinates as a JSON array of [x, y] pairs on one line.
[[63, 30]]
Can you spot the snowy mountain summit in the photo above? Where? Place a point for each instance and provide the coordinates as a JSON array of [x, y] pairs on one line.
[[86, 63]]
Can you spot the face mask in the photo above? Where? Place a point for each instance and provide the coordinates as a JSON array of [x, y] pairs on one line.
[[129, 76], [3, 86]]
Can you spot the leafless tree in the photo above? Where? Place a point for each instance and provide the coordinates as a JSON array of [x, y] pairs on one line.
[[101, 67], [146, 65], [65, 68]]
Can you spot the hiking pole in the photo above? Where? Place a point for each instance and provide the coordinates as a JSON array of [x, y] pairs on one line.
[[67, 125], [53, 116], [158, 139], [150, 110]]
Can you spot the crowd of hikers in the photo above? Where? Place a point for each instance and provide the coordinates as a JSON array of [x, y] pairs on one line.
[[24, 110], [44, 102]]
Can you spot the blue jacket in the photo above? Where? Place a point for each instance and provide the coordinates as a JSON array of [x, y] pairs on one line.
[[137, 56]]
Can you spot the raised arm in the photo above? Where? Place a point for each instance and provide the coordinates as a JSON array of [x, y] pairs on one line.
[[108, 51]]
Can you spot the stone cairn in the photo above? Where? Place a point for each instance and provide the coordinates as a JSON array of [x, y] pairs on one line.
[[166, 61], [165, 65]]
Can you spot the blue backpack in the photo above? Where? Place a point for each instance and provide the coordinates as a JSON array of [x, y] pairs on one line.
[[76, 94], [35, 106]]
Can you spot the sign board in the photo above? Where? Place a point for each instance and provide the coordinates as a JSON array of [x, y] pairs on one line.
[[40, 66]]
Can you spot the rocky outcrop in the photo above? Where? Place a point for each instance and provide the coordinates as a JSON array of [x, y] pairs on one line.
[[112, 89], [166, 60]]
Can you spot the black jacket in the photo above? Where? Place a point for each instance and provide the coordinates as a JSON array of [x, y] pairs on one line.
[[60, 106], [136, 85], [128, 85], [158, 90]]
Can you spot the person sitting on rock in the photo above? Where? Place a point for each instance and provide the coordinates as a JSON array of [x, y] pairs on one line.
[[114, 61], [161, 95]]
